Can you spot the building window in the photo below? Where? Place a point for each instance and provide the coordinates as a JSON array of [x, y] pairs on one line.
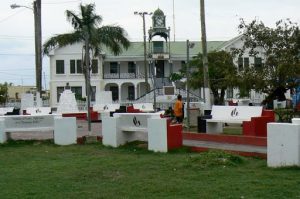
[[59, 91], [72, 66], [95, 66], [183, 64], [60, 67], [246, 62], [257, 62], [240, 63], [114, 92], [79, 66], [93, 94], [78, 92], [75, 66], [130, 92], [158, 46], [131, 67], [113, 67]]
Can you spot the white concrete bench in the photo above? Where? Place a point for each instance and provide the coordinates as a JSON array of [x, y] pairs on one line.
[[38, 110], [231, 115], [127, 127], [4, 110], [105, 109], [144, 107], [64, 128]]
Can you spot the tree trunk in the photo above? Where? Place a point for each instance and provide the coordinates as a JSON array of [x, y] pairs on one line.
[[204, 52], [88, 88]]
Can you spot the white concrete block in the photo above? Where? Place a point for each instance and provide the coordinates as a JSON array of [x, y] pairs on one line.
[[109, 131], [296, 121], [65, 130], [157, 135], [3, 134], [283, 148], [214, 127]]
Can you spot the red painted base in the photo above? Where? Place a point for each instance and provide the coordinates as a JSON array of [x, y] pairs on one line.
[[232, 139], [82, 116], [79, 116]]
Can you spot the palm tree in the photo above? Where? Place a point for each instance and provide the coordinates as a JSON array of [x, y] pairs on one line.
[[87, 31]]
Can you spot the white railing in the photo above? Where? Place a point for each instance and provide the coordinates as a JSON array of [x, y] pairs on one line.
[[123, 76]]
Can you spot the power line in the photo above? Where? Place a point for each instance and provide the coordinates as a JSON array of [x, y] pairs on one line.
[[62, 2], [8, 17], [15, 54]]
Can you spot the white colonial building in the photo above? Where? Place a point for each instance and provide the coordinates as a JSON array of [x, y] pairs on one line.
[[124, 74]]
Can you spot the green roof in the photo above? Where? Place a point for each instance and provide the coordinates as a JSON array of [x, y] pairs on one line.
[[177, 48]]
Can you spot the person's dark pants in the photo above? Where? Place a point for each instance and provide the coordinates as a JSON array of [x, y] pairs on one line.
[[179, 119]]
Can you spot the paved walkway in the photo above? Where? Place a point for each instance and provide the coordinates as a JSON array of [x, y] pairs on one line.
[[82, 130]]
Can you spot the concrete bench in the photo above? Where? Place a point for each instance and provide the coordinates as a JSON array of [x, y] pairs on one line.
[[127, 127], [64, 128], [144, 107], [231, 115]]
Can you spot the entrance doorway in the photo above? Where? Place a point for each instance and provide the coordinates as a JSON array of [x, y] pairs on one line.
[[160, 68]]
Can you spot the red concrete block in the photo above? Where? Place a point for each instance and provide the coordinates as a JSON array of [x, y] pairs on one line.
[[174, 135]]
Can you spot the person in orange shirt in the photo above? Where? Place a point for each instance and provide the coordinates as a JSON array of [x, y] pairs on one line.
[[178, 109]]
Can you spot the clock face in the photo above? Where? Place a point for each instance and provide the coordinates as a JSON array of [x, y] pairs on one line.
[[159, 22]]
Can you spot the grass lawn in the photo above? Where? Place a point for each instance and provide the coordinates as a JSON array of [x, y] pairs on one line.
[[35, 169], [227, 130]]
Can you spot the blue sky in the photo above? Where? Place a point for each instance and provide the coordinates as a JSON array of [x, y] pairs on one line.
[[222, 19]]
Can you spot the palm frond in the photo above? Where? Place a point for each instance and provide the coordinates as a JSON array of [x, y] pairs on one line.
[[61, 40], [74, 19], [113, 37]]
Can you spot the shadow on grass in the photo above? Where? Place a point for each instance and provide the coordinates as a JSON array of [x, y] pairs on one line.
[[17, 143]]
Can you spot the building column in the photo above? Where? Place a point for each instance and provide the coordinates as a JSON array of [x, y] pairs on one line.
[[135, 91], [120, 93]]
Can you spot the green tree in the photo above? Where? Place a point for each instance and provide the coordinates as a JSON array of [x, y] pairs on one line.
[[221, 70], [87, 31], [3, 92], [281, 46]]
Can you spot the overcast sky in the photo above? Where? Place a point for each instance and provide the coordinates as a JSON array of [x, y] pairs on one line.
[[222, 19]]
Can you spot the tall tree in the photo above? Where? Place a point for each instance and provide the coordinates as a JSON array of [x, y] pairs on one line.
[[281, 49], [87, 31], [222, 74], [4, 92]]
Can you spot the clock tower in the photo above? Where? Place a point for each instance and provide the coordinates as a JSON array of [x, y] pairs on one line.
[[159, 48], [159, 19]]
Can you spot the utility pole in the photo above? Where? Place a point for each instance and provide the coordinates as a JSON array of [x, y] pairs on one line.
[[174, 20], [188, 46], [142, 14], [206, 92], [37, 11], [38, 43]]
